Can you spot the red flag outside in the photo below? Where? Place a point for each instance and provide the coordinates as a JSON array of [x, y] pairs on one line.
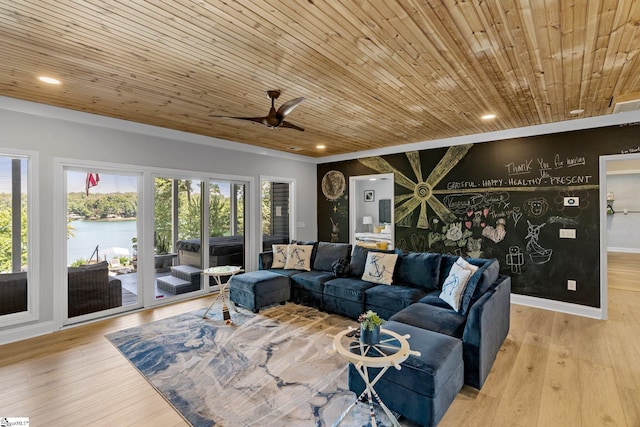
[[92, 180]]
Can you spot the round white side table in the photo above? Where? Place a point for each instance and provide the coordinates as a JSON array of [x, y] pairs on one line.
[[392, 350]]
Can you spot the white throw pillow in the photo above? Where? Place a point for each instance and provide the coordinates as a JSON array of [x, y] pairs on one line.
[[379, 268], [279, 256], [299, 257], [454, 285], [466, 265]]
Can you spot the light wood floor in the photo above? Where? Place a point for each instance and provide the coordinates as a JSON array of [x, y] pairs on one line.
[[553, 370]]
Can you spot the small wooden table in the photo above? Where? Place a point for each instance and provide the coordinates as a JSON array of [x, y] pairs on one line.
[[392, 350], [223, 288]]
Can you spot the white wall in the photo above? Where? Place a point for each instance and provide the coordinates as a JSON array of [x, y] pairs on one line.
[[623, 230], [59, 133]]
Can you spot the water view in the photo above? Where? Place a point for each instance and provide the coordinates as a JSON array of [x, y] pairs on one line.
[[104, 234]]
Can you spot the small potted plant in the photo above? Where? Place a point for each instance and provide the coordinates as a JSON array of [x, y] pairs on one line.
[[370, 327]]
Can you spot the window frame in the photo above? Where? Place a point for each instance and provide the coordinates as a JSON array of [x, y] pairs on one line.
[[292, 204], [33, 239]]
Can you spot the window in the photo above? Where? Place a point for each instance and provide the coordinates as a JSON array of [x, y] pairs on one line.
[[276, 212], [14, 216]]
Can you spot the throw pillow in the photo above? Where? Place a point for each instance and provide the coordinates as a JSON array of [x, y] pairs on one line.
[[299, 257], [327, 253], [454, 285], [340, 268], [279, 256], [466, 265], [359, 259], [379, 268]]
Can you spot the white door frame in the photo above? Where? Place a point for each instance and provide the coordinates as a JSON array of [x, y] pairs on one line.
[[604, 161]]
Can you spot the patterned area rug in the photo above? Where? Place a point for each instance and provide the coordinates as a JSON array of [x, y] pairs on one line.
[[270, 368]]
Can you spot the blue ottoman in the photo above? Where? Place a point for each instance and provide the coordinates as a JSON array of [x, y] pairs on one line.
[[427, 384], [258, 289]]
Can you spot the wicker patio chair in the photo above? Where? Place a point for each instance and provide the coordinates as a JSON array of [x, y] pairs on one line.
[[91, 289], [13, 293]]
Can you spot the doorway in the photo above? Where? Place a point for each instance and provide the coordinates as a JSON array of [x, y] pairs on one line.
[[619, 225], [371, 210]]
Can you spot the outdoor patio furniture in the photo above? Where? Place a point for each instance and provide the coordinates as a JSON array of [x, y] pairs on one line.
[[13, 293], [91, 289]]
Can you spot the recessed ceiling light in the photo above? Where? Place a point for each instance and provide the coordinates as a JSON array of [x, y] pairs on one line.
[[488, 117], [49, 80], [321, 146], [578, 111], [372, 179]]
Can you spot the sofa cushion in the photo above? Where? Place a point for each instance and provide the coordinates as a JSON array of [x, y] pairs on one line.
[[433, 298], [379, 268], [418, 269], [282, 272], [359, 259], [299, 257], [391, 298], [479, 282], [327, 253], [311, 280], [489, 273], [437, 319], [347, 288]]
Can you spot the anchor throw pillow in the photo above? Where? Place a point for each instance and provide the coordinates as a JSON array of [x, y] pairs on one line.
[[299, 257], [379, 268], [279, 256], [455, 284]]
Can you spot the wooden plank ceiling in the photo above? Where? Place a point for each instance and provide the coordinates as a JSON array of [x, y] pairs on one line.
[[375, 73]]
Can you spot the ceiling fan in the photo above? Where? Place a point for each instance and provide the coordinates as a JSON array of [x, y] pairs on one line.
[[275, 118]]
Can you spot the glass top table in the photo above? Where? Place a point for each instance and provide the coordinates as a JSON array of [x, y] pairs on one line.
[[223, 288], [391, 350]]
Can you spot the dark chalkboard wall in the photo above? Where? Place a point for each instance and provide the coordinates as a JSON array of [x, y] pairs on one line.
[[514, 200]]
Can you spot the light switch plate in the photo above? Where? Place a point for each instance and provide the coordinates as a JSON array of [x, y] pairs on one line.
[[567, 233], [572, 201]]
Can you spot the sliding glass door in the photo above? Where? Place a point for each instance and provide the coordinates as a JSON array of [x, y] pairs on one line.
[[102, 235], [180, 253], [176, 238]]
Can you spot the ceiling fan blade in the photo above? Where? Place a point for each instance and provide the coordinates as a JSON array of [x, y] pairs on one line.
[[253, 119], [288, 107], [286, 124]]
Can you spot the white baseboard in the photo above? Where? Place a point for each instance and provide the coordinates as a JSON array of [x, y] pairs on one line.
[[29, 331], [625, 250], [562, 307]]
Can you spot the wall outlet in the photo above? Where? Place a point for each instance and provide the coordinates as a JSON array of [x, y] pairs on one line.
[[571, 285], [567, 233]]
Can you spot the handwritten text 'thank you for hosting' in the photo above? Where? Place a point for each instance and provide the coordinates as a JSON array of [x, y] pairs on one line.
[[533, 172]]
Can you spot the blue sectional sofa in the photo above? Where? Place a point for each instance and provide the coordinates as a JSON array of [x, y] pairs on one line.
[[482, 322]]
